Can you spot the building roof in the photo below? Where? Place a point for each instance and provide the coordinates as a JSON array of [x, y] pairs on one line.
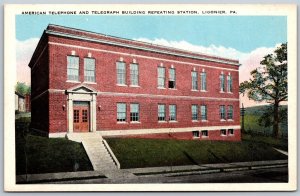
[[84, 35]]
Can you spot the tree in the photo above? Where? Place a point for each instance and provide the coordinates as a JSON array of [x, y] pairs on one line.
[[269, 83], [22, 88]]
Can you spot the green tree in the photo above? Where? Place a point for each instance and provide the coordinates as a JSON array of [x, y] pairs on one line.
[[269, 83], [22, 88]]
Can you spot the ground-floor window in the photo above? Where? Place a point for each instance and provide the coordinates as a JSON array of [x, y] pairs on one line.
[[230, 132], [204, 133], [134, 112], [223, 132], [121, 112], [161, 112], [196, 134], [194, 112], [172, 112]]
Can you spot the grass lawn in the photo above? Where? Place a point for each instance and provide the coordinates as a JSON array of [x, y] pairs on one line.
[[47, 155], [133, 153]]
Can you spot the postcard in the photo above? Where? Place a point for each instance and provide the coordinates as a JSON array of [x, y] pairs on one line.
[[160, 97]]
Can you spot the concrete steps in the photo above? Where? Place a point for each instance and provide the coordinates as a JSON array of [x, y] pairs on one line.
[[98, 151]]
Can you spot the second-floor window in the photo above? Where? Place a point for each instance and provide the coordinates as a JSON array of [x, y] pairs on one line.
[[194, 80], [203, 81], [161, 73], [172, 112], [229, 83], [134, 112], [161, 112], [89, 70], [73, 68], [172, 78], [222, 112], [222, 82], [121, 73], [203, 112], [134, 74], [230, 112]]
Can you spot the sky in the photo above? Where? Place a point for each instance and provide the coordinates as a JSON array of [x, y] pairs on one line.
[[246, 38]]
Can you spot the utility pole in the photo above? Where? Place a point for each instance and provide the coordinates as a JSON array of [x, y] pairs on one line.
[[243, 114]]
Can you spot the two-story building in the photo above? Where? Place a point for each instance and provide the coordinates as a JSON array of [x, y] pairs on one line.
[[89, 82]]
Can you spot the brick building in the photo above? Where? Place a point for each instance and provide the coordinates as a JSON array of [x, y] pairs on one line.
[[86, 82]]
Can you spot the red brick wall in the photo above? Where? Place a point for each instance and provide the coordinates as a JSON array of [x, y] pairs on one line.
[[58, 112], [212, 135]]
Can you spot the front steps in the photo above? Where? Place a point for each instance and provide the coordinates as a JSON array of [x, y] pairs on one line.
[[97, 149]]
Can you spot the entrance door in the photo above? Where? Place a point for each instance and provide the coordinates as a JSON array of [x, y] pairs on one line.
[[81, 119]]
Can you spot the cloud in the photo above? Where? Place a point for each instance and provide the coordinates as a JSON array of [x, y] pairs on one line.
[[249, 61], [24, 51]]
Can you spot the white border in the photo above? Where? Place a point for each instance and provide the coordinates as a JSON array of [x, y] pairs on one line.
[[10, 78]]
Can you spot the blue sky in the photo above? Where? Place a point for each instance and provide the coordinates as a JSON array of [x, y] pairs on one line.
[[243, 33]]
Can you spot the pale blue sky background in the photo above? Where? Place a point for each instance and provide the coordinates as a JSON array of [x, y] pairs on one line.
[[244, 33]]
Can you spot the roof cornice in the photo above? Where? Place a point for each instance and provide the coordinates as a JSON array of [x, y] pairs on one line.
[[145, 48]]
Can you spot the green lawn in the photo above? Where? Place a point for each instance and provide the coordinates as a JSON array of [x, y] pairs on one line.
[[133, 153], [47, 155]]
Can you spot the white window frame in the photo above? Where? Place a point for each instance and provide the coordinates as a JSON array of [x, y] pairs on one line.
[[229, 84], [194, 76], [222, 132], [121, 75], [134, 74], [203, 114], [161, 109], [172, 78], [134, 112], [222, 112], [222, 82], [203, 81], [89, 67], [196, 134], [202, 135], [73, 67], [121, 109], [230, 112], [172, 112], [161, 77], [195, 112]]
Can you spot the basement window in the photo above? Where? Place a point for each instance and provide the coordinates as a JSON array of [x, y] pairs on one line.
[[230, 132], [204, 133], [196, 134], [223, 132]]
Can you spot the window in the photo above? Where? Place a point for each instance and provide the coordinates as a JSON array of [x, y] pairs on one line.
[[203, 112], [194, 80], [196, 134], [222, 112], [121, 73], [172, 112], [89, 69], [172, 78], [194, 112], [161, 72], [223, 132], [204, 133], [229, 83], [76, 116], [230, 112], [203, 81], [161, 112], [134, 112], [73, 68], [84, 116], [230, 132], [222, 82], [134, 74], [121, 112]]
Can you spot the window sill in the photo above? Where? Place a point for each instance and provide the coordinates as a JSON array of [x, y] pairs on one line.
[[121, 85], [194, 90], [203, 91], [222, 92], [162, 121], [173, 121], [204, 120], [73, 81], [223, 120], [122, 122], [196, 137], [89, 83], [195, 121], [161, 88], [230, 92], [172, 89], [135, 86], [135, 122], [231, 135], [204, 137], [223, 135], [230, 120]]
